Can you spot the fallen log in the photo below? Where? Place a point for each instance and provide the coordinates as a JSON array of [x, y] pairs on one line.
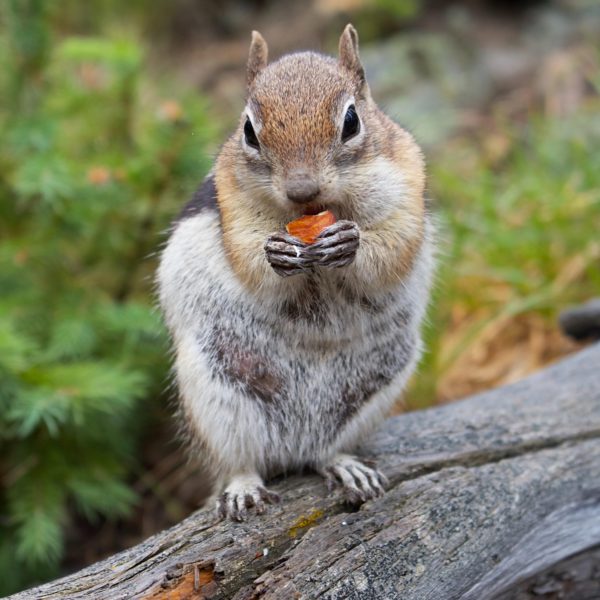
[[494, 497]]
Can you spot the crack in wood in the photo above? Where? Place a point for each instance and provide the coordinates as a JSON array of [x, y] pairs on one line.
[[485, 457]]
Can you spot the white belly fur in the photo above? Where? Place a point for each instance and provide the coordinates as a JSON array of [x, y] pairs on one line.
[[314, 366]]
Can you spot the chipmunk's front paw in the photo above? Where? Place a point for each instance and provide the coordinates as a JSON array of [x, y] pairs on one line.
[[336, 245], [287, 254], [358, 481], [244, 493]]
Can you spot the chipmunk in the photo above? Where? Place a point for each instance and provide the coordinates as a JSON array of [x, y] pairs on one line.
[[288, 353]]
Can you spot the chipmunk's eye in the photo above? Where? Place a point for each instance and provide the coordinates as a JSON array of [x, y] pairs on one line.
[[250, 136], [351, 124]]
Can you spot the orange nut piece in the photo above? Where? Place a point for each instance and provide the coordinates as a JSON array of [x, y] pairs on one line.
[[307, 228]]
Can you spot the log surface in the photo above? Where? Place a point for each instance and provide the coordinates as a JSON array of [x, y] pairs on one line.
[[493, 497]]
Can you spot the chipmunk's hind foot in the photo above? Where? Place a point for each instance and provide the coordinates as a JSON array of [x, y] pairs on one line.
[[243, 494], [357, 480]]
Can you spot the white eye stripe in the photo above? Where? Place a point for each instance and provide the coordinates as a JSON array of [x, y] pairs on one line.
[[248, 148], [347, 105], [351, 101], [256, 124], [357, 138], [248, 115]]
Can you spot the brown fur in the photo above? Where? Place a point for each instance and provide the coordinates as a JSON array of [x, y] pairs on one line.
[[349, 60], [296, 103], [402, 232], [257, 57], [293, 132]]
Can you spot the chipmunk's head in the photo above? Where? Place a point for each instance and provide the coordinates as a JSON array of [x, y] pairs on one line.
[[306, 120], [310, 139]]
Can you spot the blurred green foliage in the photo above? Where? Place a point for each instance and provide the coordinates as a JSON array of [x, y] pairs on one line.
[[95, 158], [523, 222], [93, 162], [519, 212], [375, 19]]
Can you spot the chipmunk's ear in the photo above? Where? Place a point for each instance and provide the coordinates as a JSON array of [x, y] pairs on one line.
[[349, 58], [257, 59]]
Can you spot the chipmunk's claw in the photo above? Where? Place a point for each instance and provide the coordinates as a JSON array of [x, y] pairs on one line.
[[287, 255], [242, 495], [358, 481], [336, 245]]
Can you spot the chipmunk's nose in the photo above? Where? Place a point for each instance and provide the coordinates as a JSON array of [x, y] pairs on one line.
[[301, 187]]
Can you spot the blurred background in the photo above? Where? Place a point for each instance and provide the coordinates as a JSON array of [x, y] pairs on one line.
[[110, 115]]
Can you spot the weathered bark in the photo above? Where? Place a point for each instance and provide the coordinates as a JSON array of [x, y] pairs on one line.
[[494, 497]]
